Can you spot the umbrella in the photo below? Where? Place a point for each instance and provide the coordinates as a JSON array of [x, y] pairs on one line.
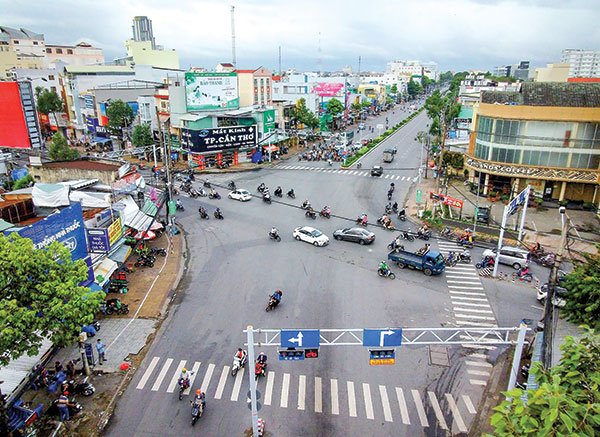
[[148, 235]]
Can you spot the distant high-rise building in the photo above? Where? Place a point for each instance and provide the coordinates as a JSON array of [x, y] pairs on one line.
[[584, 63], [142, 30]]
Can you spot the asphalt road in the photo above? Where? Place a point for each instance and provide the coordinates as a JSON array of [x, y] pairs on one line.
[[233, 266]]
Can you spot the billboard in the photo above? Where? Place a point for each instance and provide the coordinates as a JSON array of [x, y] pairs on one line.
[[209, 91], [325, 89], [220, 138], [13, 128], [269, 120]]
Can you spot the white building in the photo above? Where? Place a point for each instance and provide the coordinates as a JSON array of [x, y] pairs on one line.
[[430, 69], [584, 63], [413, 68]]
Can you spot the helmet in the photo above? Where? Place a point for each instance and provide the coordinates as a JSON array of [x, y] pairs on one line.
[[261, 353], [184, 370], [198, 392], [239, 349]]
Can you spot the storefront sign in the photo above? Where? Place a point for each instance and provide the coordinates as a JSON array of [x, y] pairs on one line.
[[269, 120], [222, 138], [446, 200], [97, 240], [115, 231]]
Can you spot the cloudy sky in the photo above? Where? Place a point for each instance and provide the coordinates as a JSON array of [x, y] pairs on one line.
[[457, 34]]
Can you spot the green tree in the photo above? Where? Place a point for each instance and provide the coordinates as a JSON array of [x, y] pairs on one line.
[[583, 283], [60, 151], [365, 104], [120, 115], [414, 88], [142, 136], [40, 297], [335, 107], [426, 81], [434, 104], [301, 114], [23, 182], [48, 102], [446, 77], [567, 402], [435, 128], [394, 89], [356, 106]]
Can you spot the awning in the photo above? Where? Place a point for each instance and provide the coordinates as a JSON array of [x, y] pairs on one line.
[[103, 271], [121, 254], [100, 140], [5, 225], [150, 208]]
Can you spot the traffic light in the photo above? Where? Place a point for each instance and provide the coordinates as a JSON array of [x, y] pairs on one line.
[[291, 355], [382, 353], [311, 353]]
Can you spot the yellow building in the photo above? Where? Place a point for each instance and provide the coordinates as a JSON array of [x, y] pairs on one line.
[[546, 135], [372, 90], [255, 87], [21, 48], [552, 73], [142, 53]]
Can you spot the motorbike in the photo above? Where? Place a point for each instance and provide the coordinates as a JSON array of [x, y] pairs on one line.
[[274, 236], [465, 258], [402, 215], [291, 194], [206, 184], [144, 261], [266, 197], [160, 251], [192, 192], [464, 242], [359, 165], [446, 232], [197, 411], [272, 304], [522, 274], [386, 273], [203, 214], [73, 406], [362, 220], [325, 212], [238, 363], [451, 261], [261, 188], [424, 235], [310, 213], [393, 245], [278, 192], [389, 195], [82, 387], [202, 193], [549, 260], [231, 185], [306, 205], [214, 195], [259, 370], [112, 306], [388, 209], [179, 206], [183, 385], [406, 235], [488, 261], [219, 215]]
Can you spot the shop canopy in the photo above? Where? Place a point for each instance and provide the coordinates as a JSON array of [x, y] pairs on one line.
[[103, 271], [100, 140]]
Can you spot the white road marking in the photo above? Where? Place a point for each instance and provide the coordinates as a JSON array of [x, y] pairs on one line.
[[368, 401], [162, 374], [285, 390], [474, 299], [437, 410], [301, 392], [396, 177], [403, 177], [236, 386], [462, 287], [479, 364], [223, 380], [466, 293], [387, 411], [147, 373], [476, 324], [475, 346], [269, 388], [207, 377], [351, 399], [335, 402], [473, 317], [481, 305], [364, 173], [173, 383], [403, 408], [461, 275], [478, 372], [473, 310], [387, 176], [318, 395], [462, 268], [456, 413], [193, 375], [473, 281], [480, 356], [420, 409], [469, 404], [477, 382]]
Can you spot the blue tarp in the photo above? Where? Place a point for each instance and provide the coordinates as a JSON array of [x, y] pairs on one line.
[[100, 140]]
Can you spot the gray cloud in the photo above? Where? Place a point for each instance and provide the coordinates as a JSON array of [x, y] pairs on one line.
[[458, 34]]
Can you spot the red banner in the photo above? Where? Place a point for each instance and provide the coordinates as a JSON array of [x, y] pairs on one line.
[[446, 200]]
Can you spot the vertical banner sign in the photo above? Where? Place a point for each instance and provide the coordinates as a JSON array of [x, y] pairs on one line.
[[97, 240], [115, 231], [269, 120]]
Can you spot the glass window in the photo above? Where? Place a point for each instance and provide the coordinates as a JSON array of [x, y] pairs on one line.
[[526, 157], [59, 51], [558, 159], [495, 153], [255, 82], [69, 51], [510, 155], [535, 158], [544, 157], [35, 43], [48, 50]]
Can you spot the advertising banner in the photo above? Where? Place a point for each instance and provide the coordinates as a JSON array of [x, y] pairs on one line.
[[97, 240], [269, 120], [13, 128], [324, 89], [115, 231], [216, 139], [207, 91]]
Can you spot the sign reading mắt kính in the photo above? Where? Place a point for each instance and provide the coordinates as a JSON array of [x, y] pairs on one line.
[[220, 138]]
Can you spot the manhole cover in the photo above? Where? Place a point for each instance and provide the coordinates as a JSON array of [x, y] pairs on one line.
[[438, 355]]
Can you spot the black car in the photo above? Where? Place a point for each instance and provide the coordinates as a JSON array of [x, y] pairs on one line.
[[357, 235], [483, 214], [377, 171]]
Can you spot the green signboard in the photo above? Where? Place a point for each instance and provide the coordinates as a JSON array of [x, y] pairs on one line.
[[419, 194], [209, 91], [172, 207], [269, 120]]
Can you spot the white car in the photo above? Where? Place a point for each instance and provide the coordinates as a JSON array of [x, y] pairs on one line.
[[241, 195], [310, 235]]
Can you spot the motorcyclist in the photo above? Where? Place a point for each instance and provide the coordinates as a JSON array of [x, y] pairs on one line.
[[384, 267], [184, 377], [402, 213], [262, 359], [363, 219], [465, 254], [392, 187], [306, 204], [178, 203], [388, 208], [261, 187], [395, 206], [277, 296], [278, 191], [241, 354], [212, 193], [424, 249], [388, 223], [201, 211], [199, 399], [423, 229], [218, 212], [326, 210], [274, 232], [329, 161], [450, 257], [232, 185], [523, 271], [291, 192]]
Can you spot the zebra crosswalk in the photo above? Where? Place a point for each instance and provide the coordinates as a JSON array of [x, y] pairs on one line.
[[361, 400], [343, 172]]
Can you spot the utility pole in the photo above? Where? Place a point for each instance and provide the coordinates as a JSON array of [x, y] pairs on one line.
[[359, 67], [279, 60], [440, 157], [166, 158], [254, 407], [233, 61], [549, 307]]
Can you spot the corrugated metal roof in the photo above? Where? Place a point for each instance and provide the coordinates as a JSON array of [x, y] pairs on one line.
[[20, 33], [87, 69], [17, 370]]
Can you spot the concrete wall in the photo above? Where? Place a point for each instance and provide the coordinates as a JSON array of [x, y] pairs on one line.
[[52, 175]]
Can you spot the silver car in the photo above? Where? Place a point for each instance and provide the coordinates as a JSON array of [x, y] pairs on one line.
[[510, 255]]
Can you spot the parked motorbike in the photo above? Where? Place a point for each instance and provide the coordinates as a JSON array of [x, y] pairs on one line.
[[145, 261], [325, 212], [219, 215], [274, 236], [160, 251], [310, 213], [386, 273], [238, 363], [82, 387], [114, 306], [214, 195]]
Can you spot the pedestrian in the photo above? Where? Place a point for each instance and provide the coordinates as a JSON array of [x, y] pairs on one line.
[[63, 407], [71, 369], [58, 367], [100, 349]]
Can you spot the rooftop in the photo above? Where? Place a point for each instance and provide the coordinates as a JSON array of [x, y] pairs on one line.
[[575, 95], [19, 33], [82, 164], [91, 69]]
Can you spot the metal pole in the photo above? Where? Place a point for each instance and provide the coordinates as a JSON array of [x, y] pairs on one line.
[[504, 216], [523, 214], [86, 365], [476, 204], [549, 307], [514, 371], [250, 331]]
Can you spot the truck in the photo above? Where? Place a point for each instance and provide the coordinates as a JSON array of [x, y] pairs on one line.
[[431, 263], [388, 155]]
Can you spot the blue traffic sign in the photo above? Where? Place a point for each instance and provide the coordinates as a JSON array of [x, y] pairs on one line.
[[291, 355], [382, 337], [300, 338]]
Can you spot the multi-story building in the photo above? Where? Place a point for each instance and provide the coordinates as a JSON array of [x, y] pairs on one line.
[[20, 48], [142, 53], [584, 63], [142, 30], [430, 69], [255, 87], [414, 68], [472, 86], [80, 54], [552, 73], [502, 71], [546, 135]]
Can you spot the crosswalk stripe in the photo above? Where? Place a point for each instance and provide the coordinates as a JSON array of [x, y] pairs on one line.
[[477, 382], [420, 409], [473, 310], [462, 275], [236, 386], [387, 411], [470, 408], [480, 356], [162, 374], [207, 377], [474, 299], [473, 281], [478, 364], [173, 383], [285, 390], [368, 401], [478, 372], [456, 413], [480, 305], [301, 392], [193, 375], [403, 408], [464, 268], [318, 395], [397, 177], [475, 324], [403, 177], [462, 287], [335, 402], [147, 373], [364, 173], [387, 176], [437, 410], [473, 317], [269, 388], [223, 380], [466, 293], [351, 399]]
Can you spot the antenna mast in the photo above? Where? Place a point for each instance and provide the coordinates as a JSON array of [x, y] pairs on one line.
[[280, 60], [233, 35]]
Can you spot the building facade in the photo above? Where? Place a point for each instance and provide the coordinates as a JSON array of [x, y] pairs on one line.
[[80, 54], [552, 73], [584, 63], [142, 53], [142, 30], [546, 135], [20, 48], [255, 87]]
